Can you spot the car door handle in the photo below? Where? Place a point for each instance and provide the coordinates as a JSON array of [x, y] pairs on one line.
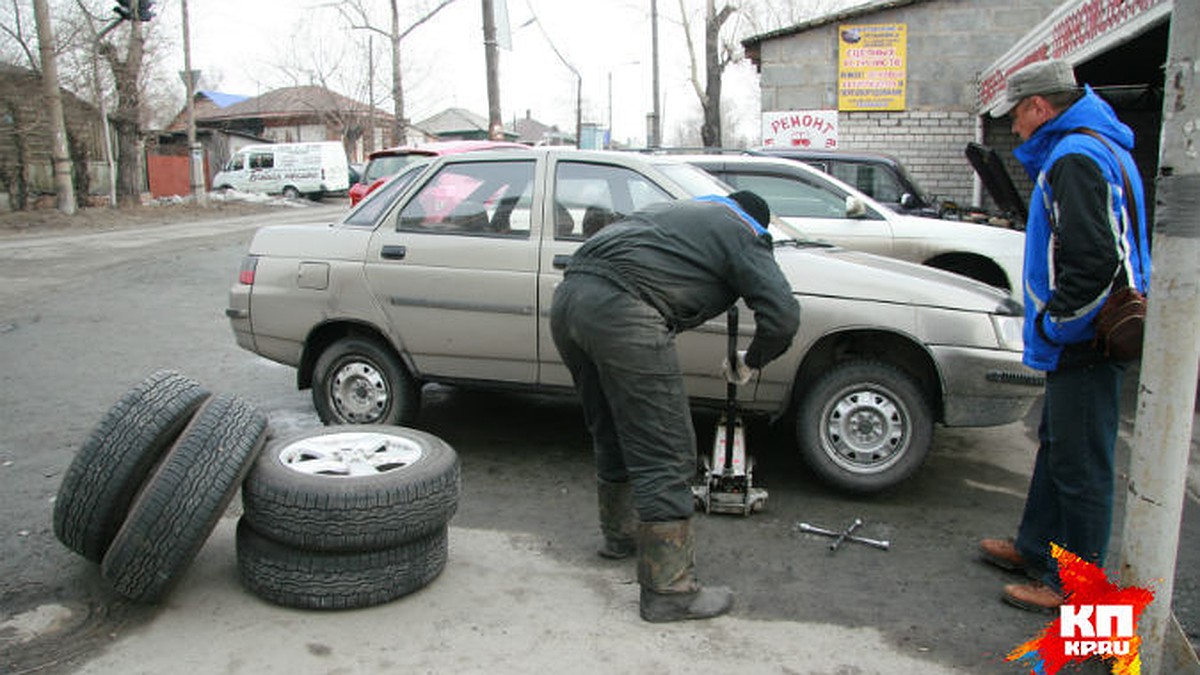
[[393, 252], [561, 260]]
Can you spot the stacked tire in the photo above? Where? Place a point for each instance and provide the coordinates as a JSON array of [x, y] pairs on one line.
[[347, 516], [149, 483]]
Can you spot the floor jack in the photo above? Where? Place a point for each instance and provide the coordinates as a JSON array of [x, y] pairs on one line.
[[726, 483]]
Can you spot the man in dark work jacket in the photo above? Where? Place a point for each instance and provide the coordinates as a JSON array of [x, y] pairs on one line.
[[626, 293]]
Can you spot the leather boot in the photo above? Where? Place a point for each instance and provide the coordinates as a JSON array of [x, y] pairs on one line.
[[670, 589], [618, 520]]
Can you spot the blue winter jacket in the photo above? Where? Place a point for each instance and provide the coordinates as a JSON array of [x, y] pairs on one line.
[[1078, 238]]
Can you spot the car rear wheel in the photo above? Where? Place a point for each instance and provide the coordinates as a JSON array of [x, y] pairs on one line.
[[864, 426], [291, 192], [355, 381]]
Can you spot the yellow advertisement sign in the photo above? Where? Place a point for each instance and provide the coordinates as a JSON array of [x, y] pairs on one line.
[[872, 66]]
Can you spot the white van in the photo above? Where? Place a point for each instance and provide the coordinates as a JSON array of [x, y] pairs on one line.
[[290, 169]]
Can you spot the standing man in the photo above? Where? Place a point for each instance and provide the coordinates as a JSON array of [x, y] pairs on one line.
[[1079, 244], [625, 295]]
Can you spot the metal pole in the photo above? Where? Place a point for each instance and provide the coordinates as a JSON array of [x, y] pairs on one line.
[[1167, 389], [195, 150], [656, 118]]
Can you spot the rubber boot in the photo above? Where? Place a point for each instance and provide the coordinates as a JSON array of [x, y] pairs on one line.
[[618, 520], [670, 589]]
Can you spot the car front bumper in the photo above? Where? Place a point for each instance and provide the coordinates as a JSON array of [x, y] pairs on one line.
[[985, 387]]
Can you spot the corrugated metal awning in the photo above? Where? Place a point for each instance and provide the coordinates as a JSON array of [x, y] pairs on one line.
[[1075, 32]]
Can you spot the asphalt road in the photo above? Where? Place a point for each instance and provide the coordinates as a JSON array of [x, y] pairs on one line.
[[83, 317]]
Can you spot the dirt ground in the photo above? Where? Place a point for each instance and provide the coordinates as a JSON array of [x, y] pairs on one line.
[[102, 218]]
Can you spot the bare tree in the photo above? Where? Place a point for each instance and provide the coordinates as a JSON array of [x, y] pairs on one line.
[[360, 18], [716, 56]]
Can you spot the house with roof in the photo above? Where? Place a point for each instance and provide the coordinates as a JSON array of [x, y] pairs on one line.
[[26, 167], [458, 124], [532, 132]]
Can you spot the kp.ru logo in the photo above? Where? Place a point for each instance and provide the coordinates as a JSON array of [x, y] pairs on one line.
[[1108, 629], [1100, 621]]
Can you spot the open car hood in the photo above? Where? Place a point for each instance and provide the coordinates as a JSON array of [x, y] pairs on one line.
[[997, 181]]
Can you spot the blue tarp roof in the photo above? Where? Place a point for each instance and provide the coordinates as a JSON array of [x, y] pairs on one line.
[[223, 100]]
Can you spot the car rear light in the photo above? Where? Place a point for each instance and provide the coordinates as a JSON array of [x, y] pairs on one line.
[[246, 273]]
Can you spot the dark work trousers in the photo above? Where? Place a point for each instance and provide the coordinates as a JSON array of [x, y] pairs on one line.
[[1070, 500], [622, 356]]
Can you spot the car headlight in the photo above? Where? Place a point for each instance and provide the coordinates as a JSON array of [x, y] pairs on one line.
[[1009, 331]]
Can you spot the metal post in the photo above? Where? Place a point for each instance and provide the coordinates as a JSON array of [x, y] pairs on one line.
[[1167, 389], [195, 151], [655, 121]]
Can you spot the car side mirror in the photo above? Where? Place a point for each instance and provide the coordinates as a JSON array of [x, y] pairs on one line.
[[855, 208], [909, 201]]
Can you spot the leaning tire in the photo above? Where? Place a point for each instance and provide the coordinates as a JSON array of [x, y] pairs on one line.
[[118, 455], [352, 488], [864, 426], [303, 579], [356, 381], [181, 503]]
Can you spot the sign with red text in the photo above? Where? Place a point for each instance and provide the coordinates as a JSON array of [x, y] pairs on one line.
[[810, 129], [872, 66]]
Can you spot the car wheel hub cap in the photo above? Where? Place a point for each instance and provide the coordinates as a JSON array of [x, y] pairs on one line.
[[359, 392], [350, 454], [864, 430]]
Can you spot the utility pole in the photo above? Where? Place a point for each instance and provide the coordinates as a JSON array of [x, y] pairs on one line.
[[1167, 389], [195, 151], [60, 156], [654, 124], [492, 56]]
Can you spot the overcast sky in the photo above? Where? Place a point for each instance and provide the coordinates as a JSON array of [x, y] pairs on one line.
[[239, 46]]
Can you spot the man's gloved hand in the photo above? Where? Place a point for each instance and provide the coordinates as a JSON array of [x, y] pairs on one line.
[[738, 374]]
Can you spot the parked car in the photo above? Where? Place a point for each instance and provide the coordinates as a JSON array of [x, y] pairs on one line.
[[313, 169], [876, 174], [383, 164], [822, 207], [451, 279]]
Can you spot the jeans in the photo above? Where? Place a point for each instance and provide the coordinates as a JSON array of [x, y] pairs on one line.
[[1070, 501], [622, 357]]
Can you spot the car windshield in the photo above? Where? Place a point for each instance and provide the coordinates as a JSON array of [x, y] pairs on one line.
[[386, 165], [368, 211], [699, 182]]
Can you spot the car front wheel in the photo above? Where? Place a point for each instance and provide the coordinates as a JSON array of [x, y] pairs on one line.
[[356, 381], [864, 426]]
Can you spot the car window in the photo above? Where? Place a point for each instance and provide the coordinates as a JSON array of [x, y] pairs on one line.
[[262, 160], [486, 198], [871, 179], [378, 201], [789, 196], [589, 196]]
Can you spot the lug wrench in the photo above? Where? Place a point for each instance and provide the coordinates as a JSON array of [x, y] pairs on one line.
[[845, 535]]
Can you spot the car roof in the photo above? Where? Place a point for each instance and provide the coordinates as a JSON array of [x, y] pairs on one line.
[[816, 154], [435, 148]]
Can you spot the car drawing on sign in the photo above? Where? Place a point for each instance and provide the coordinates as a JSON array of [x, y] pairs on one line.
[[448, 279], [822, 207]]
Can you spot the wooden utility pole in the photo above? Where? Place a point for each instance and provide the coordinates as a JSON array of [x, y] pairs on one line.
[[60, 156], [1167, 389], [492, 57], [195, 151]]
